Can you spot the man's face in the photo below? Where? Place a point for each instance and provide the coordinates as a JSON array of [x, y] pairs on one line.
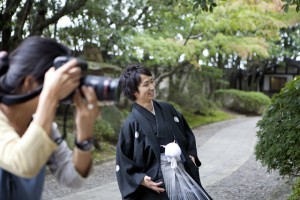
[[146, 89]]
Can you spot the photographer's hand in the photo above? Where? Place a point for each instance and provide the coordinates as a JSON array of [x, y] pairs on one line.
[[87, 112], [62, 81], [58, 84]]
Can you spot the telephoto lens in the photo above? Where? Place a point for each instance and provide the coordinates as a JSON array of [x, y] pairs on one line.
[[106, 88]]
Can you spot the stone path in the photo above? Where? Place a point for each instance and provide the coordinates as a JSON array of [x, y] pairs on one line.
[[229, 170]]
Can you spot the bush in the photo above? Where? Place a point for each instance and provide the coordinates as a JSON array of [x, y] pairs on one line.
[[103, 131], [243, 102], [279, 132], [195, 103], [115, 118], [212, 116], [176, 106], [296, 191], [195, 120]]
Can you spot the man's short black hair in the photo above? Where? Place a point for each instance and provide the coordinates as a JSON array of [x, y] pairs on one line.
[[130, 79]]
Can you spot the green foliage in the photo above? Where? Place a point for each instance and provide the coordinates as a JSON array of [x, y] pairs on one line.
[[243, 46], [296, 191], [22, 18], [201, 105], [289, 3], [103, 131], [205, 5], [194, 94], [193, 102], [114, 116], [242, 101], [290, 41], [279, 132], [107, 128], [243, 30], [260, 19], [160, 51], [176, 106], [209, 78], [195, 120], [108, 152]]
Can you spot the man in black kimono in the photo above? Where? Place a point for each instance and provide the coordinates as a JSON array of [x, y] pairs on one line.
[[150, 126]]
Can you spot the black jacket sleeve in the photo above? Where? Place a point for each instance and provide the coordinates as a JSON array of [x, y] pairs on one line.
[[129, 171], [192, 149]]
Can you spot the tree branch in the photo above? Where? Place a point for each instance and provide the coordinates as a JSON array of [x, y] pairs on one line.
[[21, 18], [11, 7], [159, 78], [195, 36], [5, 23], [67, 9], [192, 29]]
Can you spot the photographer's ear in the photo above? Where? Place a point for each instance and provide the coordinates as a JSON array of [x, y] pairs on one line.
[[29, 85]]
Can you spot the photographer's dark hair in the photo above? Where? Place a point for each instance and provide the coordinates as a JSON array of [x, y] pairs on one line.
[[130, 79], [34, 56]]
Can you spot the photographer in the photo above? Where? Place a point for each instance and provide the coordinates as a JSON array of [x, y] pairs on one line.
[[30, 91]]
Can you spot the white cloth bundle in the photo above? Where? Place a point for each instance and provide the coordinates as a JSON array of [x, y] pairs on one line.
[[172, 152]]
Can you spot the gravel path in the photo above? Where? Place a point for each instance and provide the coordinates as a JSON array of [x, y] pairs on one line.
[[250, 181]]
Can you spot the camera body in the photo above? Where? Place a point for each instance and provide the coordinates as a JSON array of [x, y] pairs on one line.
[[106, 88]]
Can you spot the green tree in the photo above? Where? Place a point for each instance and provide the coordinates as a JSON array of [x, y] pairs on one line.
[[171, 36], [278, 135], [19, 19], [102, 22], [237, 35], [289, 3], [244, 36]]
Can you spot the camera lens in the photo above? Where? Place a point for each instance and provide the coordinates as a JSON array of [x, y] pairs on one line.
[[106, 88]]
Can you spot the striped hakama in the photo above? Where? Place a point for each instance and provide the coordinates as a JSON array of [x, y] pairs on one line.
[[178, 183]]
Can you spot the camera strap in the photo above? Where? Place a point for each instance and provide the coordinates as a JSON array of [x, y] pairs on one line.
[[16, 99]]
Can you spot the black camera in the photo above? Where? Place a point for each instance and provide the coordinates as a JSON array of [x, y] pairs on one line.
[[106, 88]]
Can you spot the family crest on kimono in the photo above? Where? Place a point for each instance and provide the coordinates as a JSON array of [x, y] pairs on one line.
[[156, 151]]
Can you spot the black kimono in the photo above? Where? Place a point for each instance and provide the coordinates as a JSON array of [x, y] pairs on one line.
[[138, 149]]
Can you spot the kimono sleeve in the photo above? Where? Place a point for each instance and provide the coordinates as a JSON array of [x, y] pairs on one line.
[[129, 173], [192, 149]]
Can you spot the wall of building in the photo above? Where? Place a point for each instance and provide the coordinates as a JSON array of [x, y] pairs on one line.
[[267, 77]]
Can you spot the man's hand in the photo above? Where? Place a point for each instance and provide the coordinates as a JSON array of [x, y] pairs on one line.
[[147, 182], [3, 54], [193, 159]]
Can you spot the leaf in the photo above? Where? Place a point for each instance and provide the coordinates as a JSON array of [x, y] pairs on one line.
[[285, 7]]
